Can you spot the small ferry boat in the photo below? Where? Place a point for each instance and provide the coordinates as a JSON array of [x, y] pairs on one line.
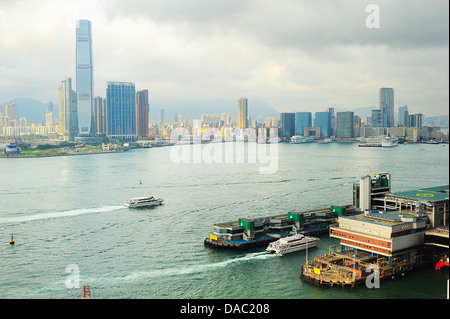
[[291, 244], [297, 139], [143, 202]]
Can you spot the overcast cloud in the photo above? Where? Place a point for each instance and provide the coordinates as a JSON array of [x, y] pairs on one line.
[[295, 55]]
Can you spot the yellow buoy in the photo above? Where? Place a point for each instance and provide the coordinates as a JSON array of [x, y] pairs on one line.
[[11, 242]]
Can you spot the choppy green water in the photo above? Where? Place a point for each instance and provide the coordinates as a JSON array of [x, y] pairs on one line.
[[67, 213]]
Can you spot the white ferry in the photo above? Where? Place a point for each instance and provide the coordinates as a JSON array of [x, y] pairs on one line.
[[389, 141], [291, 244], [297, 139], [143, 202]]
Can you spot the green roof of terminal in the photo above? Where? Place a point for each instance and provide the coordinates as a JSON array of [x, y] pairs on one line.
[[431, 194]]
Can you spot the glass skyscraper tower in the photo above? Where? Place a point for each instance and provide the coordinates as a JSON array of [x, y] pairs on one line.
[[387, 106], [121, 110], [84, 77]]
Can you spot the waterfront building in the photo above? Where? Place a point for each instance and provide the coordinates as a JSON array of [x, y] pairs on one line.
[[84, 77], [302, 120], [344, 124], [287, 124], [375, 194], [415, 120], [121, 110], [323, 120], [386, 100], [389, 234], [142, 109], [243, 113], [12, 149]]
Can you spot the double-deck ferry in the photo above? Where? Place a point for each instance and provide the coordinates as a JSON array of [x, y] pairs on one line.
[[143, 202], [291, 244]]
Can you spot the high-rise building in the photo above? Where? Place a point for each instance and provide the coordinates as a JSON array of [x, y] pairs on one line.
[[48, 119], [302, 120], [98, 116], [287, 121], [121, 110], [68, 119], [402, 115], [161, 116], [242, 113], [344, 124], [84, 77], [415, 120], [323, 120], [387, 106], [332, 120], [12, 111], [142, 112], [376, 118]]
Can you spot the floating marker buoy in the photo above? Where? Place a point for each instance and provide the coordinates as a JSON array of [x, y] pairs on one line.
[[11, 242]]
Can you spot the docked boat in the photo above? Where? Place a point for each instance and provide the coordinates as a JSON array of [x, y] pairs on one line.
[[297, 139], [291, 244], [145, 201], [389, 141]]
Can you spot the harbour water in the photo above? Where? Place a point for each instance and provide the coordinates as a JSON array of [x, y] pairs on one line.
[[68, 218]]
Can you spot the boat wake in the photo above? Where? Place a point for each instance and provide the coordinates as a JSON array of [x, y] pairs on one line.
[[69, 213], [196, 268]]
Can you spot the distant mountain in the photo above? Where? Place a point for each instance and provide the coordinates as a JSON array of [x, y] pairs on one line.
[[441, 121], [33, 110]]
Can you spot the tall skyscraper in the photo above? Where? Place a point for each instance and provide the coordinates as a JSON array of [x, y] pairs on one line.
[[84, 77], [287, 124], [332, 120], [142, 112], [161, 116], [323, 120], [121, 110], [344, 124], [68, 119], [387, 106], [242, 113], [12, 111], [302, 120], [403, 115], [98, 116]]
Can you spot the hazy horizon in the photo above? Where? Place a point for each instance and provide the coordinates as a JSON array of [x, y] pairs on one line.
[[294, 55]]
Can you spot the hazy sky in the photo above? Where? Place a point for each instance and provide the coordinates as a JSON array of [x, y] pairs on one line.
[[296, 55]]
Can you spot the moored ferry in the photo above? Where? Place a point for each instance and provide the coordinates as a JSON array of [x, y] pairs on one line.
[[143, 202], [291, 244]]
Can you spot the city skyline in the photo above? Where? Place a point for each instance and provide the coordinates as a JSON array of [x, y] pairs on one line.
[[302, 64]]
